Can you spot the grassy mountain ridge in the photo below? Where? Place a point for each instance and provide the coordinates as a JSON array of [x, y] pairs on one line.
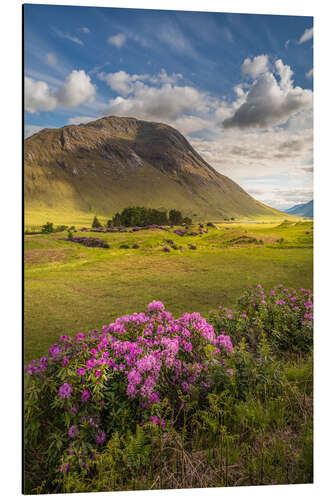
[[108, 164]]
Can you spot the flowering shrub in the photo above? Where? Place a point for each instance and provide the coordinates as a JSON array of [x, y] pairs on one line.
[[88, 242], [94, 384], [180, 232], [284, 315]]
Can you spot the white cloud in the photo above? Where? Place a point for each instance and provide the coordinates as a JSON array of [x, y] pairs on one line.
[[74, 39], [307, 35], [117, 40], [123, 82], [258, 66], [163, 77], [286, 45], [269, 102], [38, 96], [76, 90], [84, 29], [51, 58], [309, 74], [166, 103], [283, 199], [266, 164], [77, 120]]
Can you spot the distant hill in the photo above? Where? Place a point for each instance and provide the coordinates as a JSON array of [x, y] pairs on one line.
[[111, 163], [303, 209]]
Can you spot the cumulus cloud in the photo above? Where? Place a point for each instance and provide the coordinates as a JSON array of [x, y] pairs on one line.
[[270, 102], [256, 67], [76, 90], [307, 35], [74, 39], [38, 96], [166, 103], [51, 58], [163, 77], [122, 82], [125, 83], [117, 40]]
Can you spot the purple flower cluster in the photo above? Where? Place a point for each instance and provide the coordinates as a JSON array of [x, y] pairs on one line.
[[180, 232], [65, 391], [284, 314], [148, 356], [88, 242]]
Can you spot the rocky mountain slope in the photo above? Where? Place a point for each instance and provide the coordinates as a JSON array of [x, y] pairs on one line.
[[108, 164]]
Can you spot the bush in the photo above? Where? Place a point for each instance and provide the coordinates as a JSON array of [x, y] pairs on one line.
[[124, 245], [48, 227], [110, 409], [180, 232], [141, 368], [135, 245], [284, 315], [192, 247], [175, 217], [166, 248], [88, 242]]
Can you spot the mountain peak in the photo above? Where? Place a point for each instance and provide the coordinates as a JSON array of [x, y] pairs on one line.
[[113, 162]]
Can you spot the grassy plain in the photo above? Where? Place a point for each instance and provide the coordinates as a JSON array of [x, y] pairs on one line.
[[71, 288]]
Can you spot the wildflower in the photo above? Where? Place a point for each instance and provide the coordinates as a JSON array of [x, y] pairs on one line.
[[65, 361], [65, 391], [73, 431], [155, 305], [85, 396], [81, 371], [100, 437]]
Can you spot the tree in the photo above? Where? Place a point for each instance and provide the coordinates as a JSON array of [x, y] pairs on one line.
[[96, 223], [175, 217], [117, 219], [187, 221], [48, 228]]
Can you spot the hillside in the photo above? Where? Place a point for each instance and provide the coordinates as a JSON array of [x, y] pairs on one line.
[[302, 210], [108, 164]]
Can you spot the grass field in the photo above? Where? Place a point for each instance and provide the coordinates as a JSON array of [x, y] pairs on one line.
[[71, 288]]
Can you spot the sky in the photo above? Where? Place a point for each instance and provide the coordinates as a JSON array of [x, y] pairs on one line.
[[238, 86]]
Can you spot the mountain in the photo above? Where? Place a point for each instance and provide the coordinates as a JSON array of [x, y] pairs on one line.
[[108, 164], [303, 209]]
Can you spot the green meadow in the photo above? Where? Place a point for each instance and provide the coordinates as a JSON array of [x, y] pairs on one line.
[[71, 288]]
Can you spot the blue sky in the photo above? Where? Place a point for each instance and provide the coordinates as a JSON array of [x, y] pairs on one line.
[[238, 86]]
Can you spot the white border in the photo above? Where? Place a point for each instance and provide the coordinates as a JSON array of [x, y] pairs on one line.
[[10, 33]]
